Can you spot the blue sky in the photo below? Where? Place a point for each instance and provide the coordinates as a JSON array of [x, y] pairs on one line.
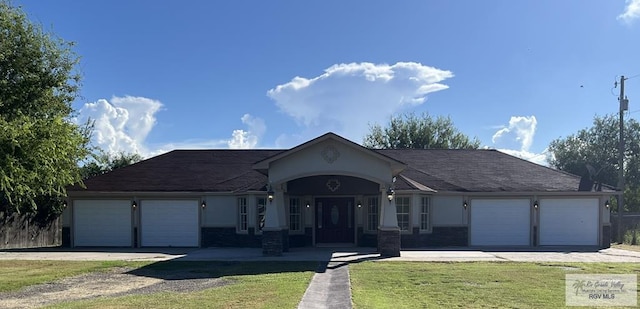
[[160, 75]]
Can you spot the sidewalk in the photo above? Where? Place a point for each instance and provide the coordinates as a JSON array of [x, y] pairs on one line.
[[329, 288], [356, 254]]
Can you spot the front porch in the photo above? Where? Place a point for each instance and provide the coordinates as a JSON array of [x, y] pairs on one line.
[[335, 189]]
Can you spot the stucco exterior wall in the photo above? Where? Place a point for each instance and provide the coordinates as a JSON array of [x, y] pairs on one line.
[[447, 211], [330, 158], [66, 216], [220, 211]]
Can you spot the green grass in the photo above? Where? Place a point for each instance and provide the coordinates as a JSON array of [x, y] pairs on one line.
[[626, 247], [374, 284], [468, 284], [16, 274], [254, 285], [632, 237]]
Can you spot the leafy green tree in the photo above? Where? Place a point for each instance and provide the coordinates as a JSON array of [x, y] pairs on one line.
[[410, 131], [103, 163], [593, 152], [40, 146]]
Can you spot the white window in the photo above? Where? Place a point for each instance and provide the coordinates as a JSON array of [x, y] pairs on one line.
[[403, 209], [424, 214], [372, 214], [261, 208], [242, 214], [295, 216]]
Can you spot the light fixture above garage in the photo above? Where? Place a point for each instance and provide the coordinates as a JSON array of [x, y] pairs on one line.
[[464, 204], [535, 204], [203, 205], [134, 205], [390, 194], [607, 204]]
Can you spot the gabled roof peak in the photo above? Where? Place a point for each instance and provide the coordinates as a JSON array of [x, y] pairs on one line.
[[397, 165]]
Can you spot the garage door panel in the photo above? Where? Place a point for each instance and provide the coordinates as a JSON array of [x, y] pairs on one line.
[[102, 223], [169, 223], [500, 222], [572, 222]]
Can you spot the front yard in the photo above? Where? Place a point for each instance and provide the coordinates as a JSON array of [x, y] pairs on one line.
[[172, 284], [374, 284], [469, 284]]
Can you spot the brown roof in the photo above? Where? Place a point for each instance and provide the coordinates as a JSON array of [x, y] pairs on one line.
[[480, 170], [427, 170], [186, 171]]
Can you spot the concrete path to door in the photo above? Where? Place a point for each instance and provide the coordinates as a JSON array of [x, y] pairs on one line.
[[330, 287]]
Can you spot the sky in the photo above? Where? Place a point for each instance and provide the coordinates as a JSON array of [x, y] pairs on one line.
[[164, 75]]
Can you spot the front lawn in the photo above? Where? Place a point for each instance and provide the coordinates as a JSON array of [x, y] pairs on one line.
[[246, 284], [15, 274], [254, 285], [468, 284], [374, 284]]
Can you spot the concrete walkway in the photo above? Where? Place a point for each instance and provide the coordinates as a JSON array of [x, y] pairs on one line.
[[329, 288], [559, 254]]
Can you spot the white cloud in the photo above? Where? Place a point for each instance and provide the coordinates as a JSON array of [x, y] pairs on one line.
[[521, 129], [631, 11], [346, 98], [516, 139], [242, 139], [539, 158], [122, 124]]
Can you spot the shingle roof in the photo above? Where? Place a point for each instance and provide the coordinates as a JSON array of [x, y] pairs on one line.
[[186, 171], [480, 171], [427, 169]]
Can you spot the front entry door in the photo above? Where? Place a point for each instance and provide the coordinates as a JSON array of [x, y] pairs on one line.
[[334, 220]]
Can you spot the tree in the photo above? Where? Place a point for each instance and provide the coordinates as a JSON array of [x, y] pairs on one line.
[[593, 152], [410, 131], [40, 146], [103, 163]]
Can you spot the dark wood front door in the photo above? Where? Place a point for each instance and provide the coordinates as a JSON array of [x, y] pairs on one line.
[[334, 220]]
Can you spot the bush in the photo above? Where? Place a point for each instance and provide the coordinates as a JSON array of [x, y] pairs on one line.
[[632, 236]]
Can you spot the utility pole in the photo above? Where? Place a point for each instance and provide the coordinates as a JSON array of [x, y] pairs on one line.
[[624, 105]]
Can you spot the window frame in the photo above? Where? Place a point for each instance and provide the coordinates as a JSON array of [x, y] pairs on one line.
[[241, 204], [375, 216], [425, 211], [258, 229], [407, 214], [295, 202]]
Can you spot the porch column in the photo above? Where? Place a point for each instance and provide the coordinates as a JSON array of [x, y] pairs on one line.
[[272, 230], [388, 230], [282, 211]]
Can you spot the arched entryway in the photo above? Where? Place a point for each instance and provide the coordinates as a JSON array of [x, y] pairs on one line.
[[330, 176], [333, 207]]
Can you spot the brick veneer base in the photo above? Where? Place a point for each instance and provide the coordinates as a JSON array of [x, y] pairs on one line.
[[272, 243], [389, 243]]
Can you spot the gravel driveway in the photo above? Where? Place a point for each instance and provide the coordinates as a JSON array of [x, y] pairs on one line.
[[112, 283]]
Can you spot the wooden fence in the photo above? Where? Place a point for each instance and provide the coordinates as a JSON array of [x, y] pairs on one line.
[[25, 231]]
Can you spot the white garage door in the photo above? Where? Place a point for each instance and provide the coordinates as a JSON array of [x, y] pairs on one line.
[[169, 223], [500, 222], [102, 223], [569, 222]]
